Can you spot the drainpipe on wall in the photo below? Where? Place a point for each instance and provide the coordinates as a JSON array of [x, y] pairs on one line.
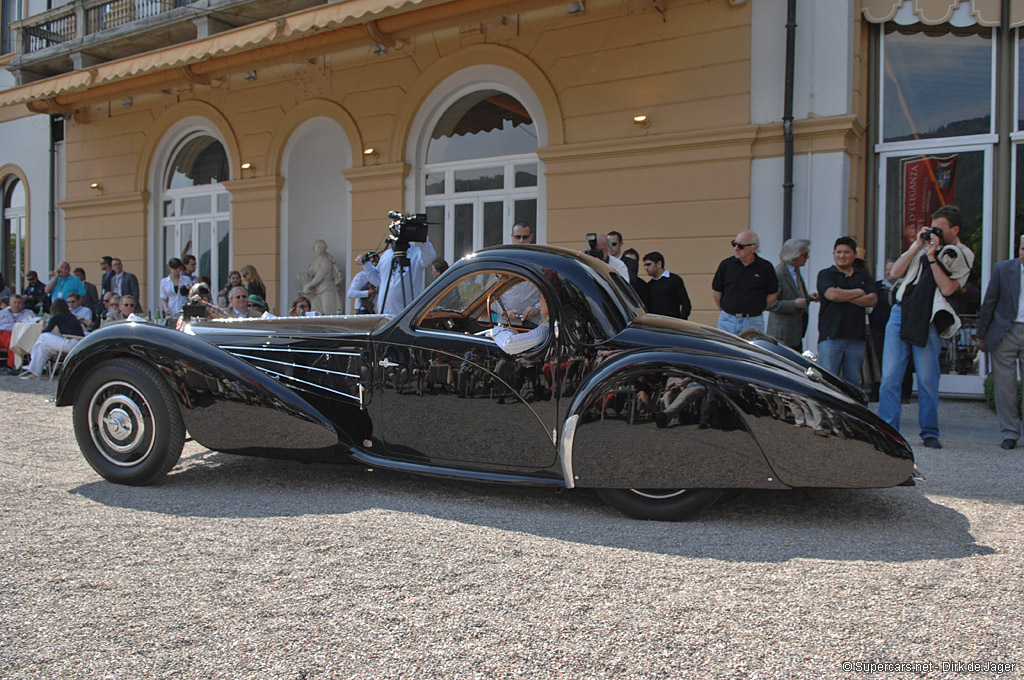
[[787, 123], [51, 238]]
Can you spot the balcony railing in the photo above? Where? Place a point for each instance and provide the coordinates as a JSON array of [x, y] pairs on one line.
[[81, 18]]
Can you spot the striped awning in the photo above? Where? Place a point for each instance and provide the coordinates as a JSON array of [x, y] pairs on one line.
[[935, 12], [277, 31]]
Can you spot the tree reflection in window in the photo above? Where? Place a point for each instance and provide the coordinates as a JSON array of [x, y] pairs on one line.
[[937, 83]]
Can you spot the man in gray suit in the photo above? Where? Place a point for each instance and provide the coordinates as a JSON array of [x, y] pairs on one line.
[[1001, 334], [124, 283], [787, 320]]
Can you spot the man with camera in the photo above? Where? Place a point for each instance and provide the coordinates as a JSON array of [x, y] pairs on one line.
[[597, 246], [174, 288], [365, 284], [934, 268]]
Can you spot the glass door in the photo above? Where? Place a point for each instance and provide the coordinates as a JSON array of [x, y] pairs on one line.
[[916, 182]]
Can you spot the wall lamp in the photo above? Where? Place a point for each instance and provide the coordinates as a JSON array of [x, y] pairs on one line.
[[369, 153], [246, 165], [641, 120], [96, 186]]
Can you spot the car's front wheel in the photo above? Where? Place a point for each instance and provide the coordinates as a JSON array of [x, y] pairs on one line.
[[127, 422], [665, 505]]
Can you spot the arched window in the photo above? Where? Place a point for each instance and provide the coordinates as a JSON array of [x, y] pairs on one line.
[[196, 208], [480, 172], [15, 257]]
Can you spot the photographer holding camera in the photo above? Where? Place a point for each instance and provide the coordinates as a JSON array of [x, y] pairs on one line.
[[597, 246], [934, 268], [174, 288]]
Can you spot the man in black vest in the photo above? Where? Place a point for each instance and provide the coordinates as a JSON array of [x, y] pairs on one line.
[[935, 266], [666, 292]]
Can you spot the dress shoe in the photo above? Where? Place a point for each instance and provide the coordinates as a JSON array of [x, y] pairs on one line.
[[932, 443], [1009, 444]]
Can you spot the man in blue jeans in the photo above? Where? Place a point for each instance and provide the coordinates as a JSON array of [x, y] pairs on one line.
[[844, 293], [934, 267]]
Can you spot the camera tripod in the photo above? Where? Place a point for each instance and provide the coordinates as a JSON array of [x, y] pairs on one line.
[[399, 263]]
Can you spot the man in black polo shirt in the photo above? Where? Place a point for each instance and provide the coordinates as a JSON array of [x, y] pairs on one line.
[[844, 292], [744, 286], [666, 292]]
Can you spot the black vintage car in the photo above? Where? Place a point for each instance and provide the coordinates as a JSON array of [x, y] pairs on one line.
[[656, 414]]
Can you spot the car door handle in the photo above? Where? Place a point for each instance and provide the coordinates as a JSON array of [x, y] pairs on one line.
[[385, 363]]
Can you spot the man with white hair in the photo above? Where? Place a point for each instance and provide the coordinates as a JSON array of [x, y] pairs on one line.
[[744, 286], [787, 318]]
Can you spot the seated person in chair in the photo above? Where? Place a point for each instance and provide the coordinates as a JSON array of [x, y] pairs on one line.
[[15, 313], [50, 343]]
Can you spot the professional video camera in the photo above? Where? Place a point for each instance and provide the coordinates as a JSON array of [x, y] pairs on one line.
[[407, 229]]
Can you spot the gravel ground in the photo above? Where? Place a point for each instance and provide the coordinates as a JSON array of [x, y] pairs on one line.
[[244, 568]]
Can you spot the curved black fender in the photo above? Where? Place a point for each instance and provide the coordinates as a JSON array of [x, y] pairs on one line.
[[770, 344], [704, 444], [720, 423], [227, 404]]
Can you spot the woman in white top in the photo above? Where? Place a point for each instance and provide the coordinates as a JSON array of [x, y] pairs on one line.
[[171, 299]]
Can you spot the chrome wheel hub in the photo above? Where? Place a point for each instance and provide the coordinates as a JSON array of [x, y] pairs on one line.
[[121, 422]]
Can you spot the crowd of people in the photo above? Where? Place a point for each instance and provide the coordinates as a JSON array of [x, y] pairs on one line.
[[871, 333], [70, 307]]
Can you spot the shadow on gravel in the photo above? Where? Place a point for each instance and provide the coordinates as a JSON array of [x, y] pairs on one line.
[[890, 525]]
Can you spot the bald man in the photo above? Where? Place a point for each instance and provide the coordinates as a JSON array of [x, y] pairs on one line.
[[744, 286]]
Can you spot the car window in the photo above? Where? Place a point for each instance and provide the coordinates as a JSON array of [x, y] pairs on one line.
[[466, 293], [462, 307]]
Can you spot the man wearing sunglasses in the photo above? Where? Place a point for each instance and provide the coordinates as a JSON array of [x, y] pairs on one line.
[[744, 286]]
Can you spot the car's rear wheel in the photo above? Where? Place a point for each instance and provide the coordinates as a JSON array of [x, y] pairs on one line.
[[127, 422], [665, 505]]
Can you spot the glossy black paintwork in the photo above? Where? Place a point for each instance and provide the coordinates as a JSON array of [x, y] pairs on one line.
[[719, 412], [227, 404]]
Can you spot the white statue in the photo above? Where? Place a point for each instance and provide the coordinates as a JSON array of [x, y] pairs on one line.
[[320, 282]]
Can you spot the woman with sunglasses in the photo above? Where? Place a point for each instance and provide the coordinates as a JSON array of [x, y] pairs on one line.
[[253, 282]]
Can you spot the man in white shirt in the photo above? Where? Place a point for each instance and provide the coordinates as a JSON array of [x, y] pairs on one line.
[[511, 342], [522, 301], [81, 312], [394, 296], [171, 299], [15, 313], [615, 263]]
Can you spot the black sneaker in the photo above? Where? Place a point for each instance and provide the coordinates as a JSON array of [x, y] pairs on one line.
[[1009, 444], [932, 443]]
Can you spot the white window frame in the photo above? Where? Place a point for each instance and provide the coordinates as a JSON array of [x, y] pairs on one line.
[[178, 196], [449, 91], [167, 151], [17, 218], [508, 195]]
